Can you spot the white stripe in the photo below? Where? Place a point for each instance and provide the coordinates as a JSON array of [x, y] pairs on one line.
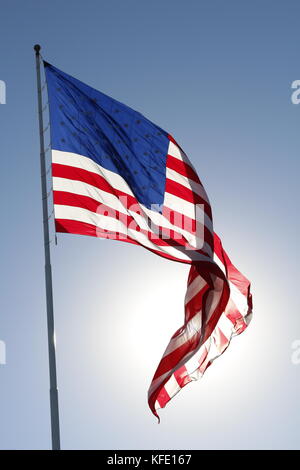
[[157, 405], [214, 350], [194, 288], [226, 326], [157, 382], [172, 386], [219, 263], [187, 183], [85, 163], [236, 295], [214, 296], [193, 364], [175, 152], [239, 299], [189, 209], [192, 328]]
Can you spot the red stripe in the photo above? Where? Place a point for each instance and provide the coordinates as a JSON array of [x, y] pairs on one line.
[[235, 276], [76, 200], [187, 194], [192, 274], [163, 398], [204, 363], [79, 174], [189, 225], [214, 317], [83, 228], [182, 168], [194, 304], [220, 339], [235, 316], [182, 377], [203, 357], [75, 227]]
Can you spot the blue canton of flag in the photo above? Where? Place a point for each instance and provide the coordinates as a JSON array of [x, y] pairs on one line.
[[87, 122]]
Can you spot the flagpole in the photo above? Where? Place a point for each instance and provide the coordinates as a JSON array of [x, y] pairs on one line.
[[48, 272]]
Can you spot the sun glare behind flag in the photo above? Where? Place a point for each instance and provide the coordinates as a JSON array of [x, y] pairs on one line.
[[119, 176]]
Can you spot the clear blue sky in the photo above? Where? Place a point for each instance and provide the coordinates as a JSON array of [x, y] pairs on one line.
[[217, 75]]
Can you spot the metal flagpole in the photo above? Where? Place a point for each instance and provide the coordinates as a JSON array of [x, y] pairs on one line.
[[48, 273]]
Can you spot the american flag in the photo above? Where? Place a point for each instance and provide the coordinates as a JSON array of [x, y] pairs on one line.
[[119, 176]]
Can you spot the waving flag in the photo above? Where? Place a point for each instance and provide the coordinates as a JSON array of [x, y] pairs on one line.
[[117, 175]]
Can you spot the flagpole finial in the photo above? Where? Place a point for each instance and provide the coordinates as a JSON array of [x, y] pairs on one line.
[[37, 48]]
